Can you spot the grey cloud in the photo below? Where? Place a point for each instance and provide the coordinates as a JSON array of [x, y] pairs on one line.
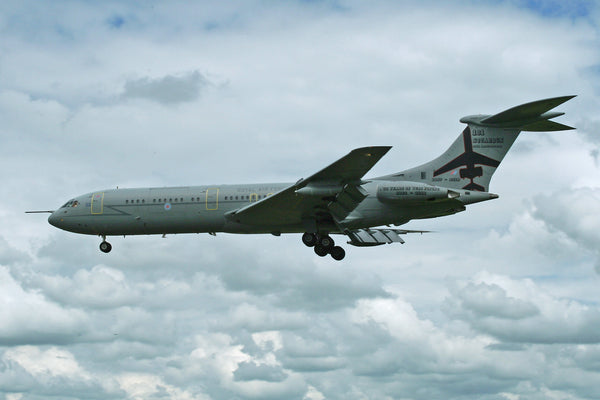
[[100, 287], [492, 301], [589, 128], [249, 371], [576, 213], [301, 286], [595, 153], [170, 89], [10, 255], [546, 331], [532, 317]]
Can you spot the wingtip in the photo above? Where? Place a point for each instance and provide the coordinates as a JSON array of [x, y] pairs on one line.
[[373, 151], [564, 98]]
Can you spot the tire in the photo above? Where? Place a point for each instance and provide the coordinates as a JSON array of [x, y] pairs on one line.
[[321, 251], [327, 242], [105, 247], [338, 253], [309, 239]]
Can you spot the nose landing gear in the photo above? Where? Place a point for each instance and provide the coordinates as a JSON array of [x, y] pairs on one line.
[[105, 247], [323, 245]]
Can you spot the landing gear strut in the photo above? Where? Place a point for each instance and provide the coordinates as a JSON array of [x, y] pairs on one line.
[[105, 247], [323, 245]]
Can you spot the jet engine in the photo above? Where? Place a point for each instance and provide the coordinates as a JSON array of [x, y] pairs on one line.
[[413, 192]]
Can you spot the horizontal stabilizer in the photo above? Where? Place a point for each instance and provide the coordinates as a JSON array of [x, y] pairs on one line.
[[532, 116], [546, 126], [526, 111]]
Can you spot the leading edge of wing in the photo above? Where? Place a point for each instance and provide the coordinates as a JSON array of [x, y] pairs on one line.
[[348, 169], [288, 206]]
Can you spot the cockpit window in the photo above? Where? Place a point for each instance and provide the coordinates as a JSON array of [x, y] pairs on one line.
[[70, 203]]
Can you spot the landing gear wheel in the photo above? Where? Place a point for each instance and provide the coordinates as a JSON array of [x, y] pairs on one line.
[[327, 242], [105, 247], [321, 251], [338, 253], [309, 239]]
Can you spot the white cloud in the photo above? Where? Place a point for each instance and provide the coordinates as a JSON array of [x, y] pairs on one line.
[[243, 374], [99, 287], [147, 386], [575, 213], [52, 363], [28, 317], [520, 311]]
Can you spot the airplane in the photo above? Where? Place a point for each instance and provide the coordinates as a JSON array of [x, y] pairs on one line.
[[336, 200]]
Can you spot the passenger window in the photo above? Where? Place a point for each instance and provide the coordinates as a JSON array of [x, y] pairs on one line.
[[126, 201]]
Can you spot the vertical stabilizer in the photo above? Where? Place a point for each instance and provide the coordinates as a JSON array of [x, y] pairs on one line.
[[472, 159]]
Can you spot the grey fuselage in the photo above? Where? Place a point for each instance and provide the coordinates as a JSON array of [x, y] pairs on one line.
[[197, 209]]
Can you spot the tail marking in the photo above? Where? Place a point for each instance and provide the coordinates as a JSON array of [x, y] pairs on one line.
[[468, 159]]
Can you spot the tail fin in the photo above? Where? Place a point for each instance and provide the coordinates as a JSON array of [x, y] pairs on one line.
[[472, 159]]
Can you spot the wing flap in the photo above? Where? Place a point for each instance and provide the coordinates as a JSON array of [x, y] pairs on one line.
[[346, 201], [376, 237]]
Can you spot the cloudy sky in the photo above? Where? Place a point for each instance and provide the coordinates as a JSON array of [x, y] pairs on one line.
[[501, 302]]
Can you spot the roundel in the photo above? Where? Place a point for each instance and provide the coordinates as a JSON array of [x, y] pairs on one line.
[[167, 206]]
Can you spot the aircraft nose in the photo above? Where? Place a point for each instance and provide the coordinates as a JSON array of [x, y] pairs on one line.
[[54, 219]]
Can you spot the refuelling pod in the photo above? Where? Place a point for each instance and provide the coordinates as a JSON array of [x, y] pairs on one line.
[[412, 192]]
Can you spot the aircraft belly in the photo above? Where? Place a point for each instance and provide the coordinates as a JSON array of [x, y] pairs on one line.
[[372, 212], [146, 223], [232, 227]]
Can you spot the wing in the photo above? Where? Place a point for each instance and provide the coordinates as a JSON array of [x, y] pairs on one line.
[[334, 191]]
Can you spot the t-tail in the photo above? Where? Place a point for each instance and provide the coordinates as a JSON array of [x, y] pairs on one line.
[[472, 159]]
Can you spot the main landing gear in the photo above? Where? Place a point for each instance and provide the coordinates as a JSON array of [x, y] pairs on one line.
[[105, 247], [323, 245]]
